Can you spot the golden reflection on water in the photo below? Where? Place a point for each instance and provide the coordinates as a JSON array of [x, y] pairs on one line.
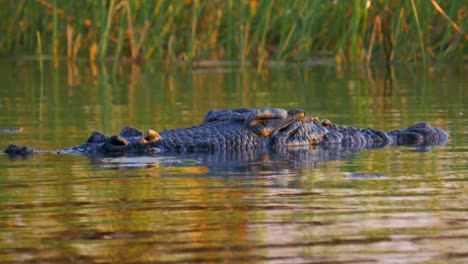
[[66, 208], [383, 205]]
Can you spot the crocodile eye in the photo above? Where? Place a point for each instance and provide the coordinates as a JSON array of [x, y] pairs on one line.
[[301, 116], [151, 135]]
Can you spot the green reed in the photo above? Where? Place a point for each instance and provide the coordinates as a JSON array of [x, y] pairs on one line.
[[362, 31]]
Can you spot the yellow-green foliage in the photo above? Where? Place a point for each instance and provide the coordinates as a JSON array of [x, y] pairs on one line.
[[241, 30]]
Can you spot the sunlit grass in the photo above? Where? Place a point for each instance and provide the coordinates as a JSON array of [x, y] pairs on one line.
[[361, 31]]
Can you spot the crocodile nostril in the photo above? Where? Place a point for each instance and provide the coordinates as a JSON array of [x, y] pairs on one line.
[[118, 141]]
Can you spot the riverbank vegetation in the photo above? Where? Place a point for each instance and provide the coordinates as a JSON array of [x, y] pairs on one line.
[[361, 31]]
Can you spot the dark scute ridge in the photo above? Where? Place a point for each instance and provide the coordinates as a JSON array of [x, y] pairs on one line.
[[97, 137], [236, 114], [419, 134]]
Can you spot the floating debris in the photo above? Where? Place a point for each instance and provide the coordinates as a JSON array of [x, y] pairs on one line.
[[11, 129]]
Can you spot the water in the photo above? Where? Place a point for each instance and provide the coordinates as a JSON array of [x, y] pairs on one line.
[[393, 205]]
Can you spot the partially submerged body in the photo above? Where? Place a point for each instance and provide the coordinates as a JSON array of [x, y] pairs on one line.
[[244, 129]]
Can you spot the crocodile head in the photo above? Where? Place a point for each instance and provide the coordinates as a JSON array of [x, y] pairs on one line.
[[128, 140]]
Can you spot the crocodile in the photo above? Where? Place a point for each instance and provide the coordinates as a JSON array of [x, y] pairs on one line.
[[247, 129]]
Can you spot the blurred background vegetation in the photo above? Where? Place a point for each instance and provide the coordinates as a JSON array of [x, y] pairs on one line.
[[245, 31]]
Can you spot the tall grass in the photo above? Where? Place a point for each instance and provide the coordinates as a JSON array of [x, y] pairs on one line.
[[362, 31]]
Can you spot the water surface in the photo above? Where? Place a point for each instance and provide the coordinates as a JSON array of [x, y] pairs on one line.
[[385, 205]]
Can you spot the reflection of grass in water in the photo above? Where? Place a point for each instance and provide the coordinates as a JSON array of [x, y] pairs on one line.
[[260, 31], [100, 102]]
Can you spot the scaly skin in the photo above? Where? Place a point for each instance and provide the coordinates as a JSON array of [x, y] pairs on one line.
[[244, 129]]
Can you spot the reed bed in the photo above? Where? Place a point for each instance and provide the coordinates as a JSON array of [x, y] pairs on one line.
[[259, 32]]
